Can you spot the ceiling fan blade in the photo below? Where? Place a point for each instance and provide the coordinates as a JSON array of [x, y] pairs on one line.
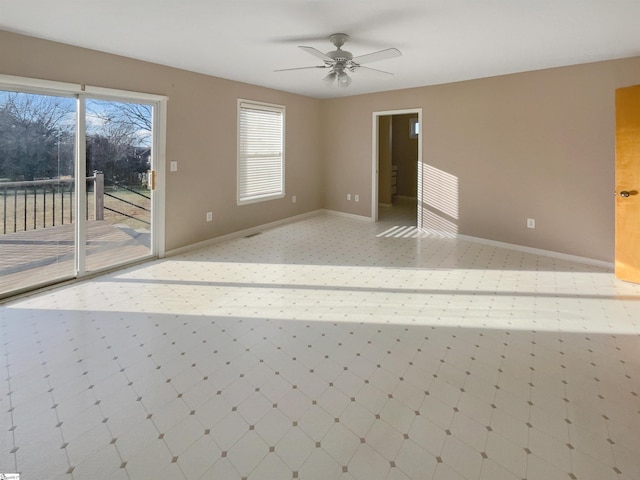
[[317, 53], [377, 56], [301, 39], [299, 68], [374, 70]]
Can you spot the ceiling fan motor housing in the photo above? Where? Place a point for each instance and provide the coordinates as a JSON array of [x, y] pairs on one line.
[[341, 58]]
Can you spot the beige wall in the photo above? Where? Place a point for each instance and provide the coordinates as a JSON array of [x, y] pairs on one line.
[[201, 134], [498, 151]]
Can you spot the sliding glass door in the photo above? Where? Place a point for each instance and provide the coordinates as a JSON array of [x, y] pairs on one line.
[[119, 157], [76, 186], [37, 189]]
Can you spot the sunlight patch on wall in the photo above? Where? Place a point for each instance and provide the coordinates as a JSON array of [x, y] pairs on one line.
[[438, 225], [441, 190], [440, 195]]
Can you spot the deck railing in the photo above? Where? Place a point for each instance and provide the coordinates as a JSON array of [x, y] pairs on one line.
[[30, 205]]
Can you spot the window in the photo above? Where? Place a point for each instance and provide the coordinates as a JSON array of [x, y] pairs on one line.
[[260, 152], [414, 128]]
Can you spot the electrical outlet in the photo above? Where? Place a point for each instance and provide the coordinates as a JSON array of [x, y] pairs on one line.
[[357, 198], [348, 196], [173, 166], [293, 199], [531, 223], [209, 216]]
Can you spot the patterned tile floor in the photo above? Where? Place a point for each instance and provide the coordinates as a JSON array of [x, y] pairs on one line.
[[327, 349]]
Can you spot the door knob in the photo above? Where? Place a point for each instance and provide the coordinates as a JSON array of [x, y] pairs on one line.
[[624, 193]]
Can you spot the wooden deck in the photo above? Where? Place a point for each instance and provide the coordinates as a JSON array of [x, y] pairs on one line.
[[45, 255]]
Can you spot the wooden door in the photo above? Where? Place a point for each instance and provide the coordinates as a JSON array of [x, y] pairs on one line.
[[627, 244]]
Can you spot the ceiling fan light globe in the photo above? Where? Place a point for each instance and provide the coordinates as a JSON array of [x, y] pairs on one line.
[[344, 80], [329, 79]]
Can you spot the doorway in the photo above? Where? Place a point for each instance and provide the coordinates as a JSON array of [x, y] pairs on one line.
[[397, 154], [77, 183]]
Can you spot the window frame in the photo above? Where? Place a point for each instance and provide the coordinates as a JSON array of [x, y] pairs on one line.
[[256, 198]]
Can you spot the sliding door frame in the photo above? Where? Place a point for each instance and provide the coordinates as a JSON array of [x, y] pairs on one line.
[[81, 186], [158, 149]]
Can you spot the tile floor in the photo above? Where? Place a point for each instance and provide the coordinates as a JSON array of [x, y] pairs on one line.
[[327, 349]]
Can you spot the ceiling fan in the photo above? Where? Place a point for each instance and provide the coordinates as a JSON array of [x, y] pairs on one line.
[[340, 62]]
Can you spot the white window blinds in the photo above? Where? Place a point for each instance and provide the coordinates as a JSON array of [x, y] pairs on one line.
[[260, 152]]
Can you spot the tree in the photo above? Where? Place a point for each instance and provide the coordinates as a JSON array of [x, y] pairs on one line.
[[138, 115], [118, 138], [36, 136]]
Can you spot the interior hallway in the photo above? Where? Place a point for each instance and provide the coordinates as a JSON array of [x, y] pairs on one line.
[[403, 211], [323, 349]]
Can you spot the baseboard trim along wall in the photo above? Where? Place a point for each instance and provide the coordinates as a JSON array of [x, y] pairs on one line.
[[539, 251], [353, 216], [241, 233], [494, 243]]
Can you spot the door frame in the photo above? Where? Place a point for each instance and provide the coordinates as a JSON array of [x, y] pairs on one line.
[[81, 93], [374, 160], [158, 149]]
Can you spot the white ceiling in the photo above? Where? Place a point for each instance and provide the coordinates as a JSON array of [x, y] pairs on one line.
[[245, 40]]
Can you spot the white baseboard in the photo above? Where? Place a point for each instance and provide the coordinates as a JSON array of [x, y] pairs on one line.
[[353, 216], [241, 233], [539, 251], [485, 241]]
